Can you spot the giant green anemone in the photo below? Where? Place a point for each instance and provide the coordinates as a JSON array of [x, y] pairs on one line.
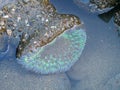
[[58, 55], [49, 42]]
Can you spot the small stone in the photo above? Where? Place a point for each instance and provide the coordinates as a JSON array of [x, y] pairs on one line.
[[18, 18], [1, 12], [47, 20], [53, 27], [6, 16], [9, 32], [38, 16], [27, 23], [2, 23], [43, 19], [26, 1], [46, 35]]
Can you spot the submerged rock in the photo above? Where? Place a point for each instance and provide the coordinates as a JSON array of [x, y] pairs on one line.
[[97, 5], [49, 42], [102, 4], [106, 9], [117, 18]]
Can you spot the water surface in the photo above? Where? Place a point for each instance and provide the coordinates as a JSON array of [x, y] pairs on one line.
[[98, 67]]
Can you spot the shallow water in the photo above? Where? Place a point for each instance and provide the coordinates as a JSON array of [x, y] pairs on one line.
[[98, 67]]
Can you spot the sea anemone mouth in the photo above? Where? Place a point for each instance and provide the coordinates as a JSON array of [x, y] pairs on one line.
[[57, 56]]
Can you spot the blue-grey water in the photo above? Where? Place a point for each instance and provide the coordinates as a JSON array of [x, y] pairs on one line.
[[97, 69]]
